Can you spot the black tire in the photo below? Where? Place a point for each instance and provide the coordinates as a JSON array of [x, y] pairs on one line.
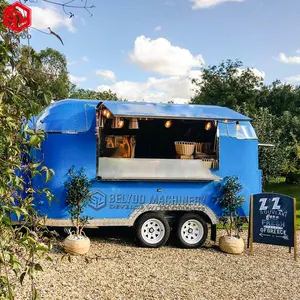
[[159, 222], [183, 240]]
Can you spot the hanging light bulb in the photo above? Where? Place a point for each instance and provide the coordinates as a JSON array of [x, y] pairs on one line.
[[106, 113], [238, 126], [208, 126], [226, 121], [168, 124], [121, 123], [117, 123]]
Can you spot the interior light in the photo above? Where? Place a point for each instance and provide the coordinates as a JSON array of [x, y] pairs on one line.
[[168, 124], [106, 113], [238, 126], [117, 123], [208, 126], [121, 123]]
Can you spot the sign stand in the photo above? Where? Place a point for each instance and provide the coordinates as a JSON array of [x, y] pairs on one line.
[[295, 232], [251, 225], [269, 207]]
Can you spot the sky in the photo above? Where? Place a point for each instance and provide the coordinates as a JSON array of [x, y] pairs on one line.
[[149, 49]]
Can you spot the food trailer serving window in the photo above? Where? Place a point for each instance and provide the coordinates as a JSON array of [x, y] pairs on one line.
[[245, 132], [162, 144]]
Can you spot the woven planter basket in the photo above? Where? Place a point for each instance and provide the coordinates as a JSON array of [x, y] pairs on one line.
[[184, 148], [76, 247], [231, 244]]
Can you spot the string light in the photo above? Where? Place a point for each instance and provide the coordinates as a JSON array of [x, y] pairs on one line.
[[106, 113], [226, 121], [208, 126], [168, 124], [121, 123]]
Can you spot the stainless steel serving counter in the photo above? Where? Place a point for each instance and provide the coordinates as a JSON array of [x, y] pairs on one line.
[[153, 169]]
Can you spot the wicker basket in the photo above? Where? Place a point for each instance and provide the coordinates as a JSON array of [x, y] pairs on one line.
[[207, 163], [184, 148], [199, 148]]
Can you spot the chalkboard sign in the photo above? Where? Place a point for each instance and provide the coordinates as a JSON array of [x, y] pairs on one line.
[[273, 220]]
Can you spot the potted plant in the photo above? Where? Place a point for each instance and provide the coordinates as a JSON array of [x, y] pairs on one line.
[[230, 201], [77, 197]]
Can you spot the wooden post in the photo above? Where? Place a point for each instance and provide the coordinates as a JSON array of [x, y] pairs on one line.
[[295, 232], [251, 225]]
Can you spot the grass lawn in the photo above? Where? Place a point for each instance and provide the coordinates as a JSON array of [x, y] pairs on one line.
[[291, 190]]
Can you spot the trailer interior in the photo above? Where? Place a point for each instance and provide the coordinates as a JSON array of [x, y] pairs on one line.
[[153, 148]]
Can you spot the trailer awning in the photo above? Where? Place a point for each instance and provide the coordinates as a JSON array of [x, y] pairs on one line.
[[172, 111]]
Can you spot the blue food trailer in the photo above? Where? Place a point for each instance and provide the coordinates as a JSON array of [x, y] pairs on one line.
[[154, 166]]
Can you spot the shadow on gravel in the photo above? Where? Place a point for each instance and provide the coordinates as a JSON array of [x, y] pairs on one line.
[[125, 236]]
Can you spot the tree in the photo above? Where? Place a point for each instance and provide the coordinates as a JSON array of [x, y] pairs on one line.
[[228, 84], [280, 97], [48, 71], [268, 129], [77, 93], [20, 98]]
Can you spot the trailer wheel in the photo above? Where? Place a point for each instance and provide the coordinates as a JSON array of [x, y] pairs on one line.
[[152, 230], [191, 231]]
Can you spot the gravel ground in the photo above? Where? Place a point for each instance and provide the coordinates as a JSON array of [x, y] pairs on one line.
[[125, 271]]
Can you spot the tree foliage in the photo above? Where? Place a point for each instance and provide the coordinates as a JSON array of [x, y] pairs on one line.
[[231, 201], [21, 97], [77, 197], [46, 71], [79, 93], [227, 84]]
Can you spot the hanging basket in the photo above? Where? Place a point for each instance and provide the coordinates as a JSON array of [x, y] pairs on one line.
[[184, 148], [231, 244]]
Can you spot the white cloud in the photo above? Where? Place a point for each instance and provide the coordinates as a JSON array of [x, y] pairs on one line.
[[76, 79], [197, 4], [176, 88], [255, 71], [157, 28], [289, 59], [85, 58], [161, 57], [293, 79], [258, 73], [42, 18], [106, 75]]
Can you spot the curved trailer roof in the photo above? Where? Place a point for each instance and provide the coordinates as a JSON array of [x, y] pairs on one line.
[[77, 115], [172, 111]]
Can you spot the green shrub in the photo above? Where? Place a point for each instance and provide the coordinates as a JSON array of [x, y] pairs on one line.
[[293, 178]]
